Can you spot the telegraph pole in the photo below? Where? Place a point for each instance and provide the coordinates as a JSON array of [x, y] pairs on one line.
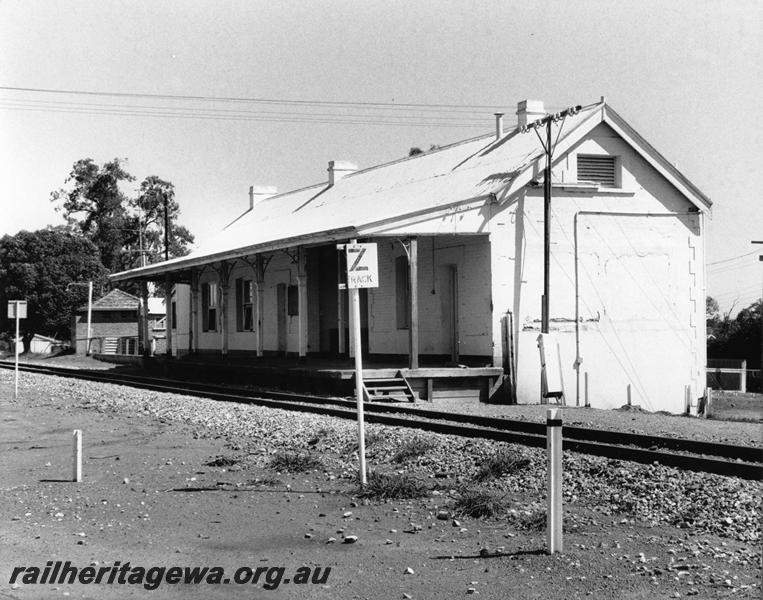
[[760, 257], [548, 148], [167, 294], [546, 229]]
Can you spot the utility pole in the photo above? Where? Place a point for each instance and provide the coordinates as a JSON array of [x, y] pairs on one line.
[[143, 310], [548, 148], [760, 257], [89, 285], [89, 316], [167, 294]]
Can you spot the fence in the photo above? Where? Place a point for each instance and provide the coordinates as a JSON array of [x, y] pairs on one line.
[[732, 374]]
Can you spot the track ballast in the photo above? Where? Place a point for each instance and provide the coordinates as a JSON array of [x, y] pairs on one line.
[[724, 459]]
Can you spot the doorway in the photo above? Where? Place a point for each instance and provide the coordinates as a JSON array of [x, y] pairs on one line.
[[448, 277], [281, 299]]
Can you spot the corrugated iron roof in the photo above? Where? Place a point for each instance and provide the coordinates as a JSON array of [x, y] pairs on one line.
[[461, 172]]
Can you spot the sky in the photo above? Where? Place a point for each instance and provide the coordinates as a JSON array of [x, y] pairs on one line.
[[274, 90]]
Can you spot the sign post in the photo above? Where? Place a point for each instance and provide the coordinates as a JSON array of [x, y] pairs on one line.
[[16, 310], [362, 272], [554, 476], [77, 455]]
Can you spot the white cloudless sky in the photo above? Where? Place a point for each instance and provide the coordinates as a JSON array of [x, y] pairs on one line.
[[687, 74]]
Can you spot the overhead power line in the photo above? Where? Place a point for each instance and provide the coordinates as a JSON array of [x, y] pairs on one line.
[[406, 105], [129, 104], [244, 116]]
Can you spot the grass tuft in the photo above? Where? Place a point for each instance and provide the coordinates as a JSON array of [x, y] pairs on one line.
[[500, 464], [480, 503], [321, 434], [534, 521], [413, 448], [372, 438], [222, 461], [294, 462], [393, 486]]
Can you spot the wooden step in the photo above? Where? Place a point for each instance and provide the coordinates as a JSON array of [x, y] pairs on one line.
[[388, 389]]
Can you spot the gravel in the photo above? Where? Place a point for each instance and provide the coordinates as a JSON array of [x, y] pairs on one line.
[[609, 491]]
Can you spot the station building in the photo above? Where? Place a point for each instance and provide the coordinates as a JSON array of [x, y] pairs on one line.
[[459, 234]]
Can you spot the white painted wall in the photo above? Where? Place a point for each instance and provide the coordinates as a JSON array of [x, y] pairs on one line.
[[641, 285], [470, 255]]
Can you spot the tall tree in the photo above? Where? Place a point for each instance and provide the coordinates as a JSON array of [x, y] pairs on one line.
[[157, 212], [127, 230], [39, 267], [96, 205]]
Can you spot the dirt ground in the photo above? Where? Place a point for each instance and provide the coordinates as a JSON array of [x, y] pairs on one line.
[[149, 497]]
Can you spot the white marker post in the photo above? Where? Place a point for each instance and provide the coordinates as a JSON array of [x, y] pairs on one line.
[[554, 475], [362, 272], [17, 310], [77, 456]]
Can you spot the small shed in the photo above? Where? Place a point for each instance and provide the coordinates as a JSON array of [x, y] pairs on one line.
[[41, 344], [114, 324]]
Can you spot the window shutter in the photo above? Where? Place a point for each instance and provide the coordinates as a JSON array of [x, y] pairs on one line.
[[205, 307], [239, 304], [402, 291]]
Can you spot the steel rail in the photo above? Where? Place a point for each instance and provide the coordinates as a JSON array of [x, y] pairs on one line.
[[723, 459]]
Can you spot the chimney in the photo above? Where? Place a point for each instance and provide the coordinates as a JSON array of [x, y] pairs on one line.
[[340, 168], [498, 126], [260, 192], [529, 111]]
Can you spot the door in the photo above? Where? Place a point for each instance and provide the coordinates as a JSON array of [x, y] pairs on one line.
[[448, 278], [281, 300]]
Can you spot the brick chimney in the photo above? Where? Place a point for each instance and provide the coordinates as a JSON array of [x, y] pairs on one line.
[[340, 168], [529, 111], [260, 192]]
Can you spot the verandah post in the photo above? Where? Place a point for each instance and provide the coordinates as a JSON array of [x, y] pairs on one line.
[[413, 321]]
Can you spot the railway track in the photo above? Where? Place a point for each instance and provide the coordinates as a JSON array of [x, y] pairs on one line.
[[724, 459]]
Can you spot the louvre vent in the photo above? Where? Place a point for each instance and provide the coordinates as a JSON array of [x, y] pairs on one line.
[[597, 169]]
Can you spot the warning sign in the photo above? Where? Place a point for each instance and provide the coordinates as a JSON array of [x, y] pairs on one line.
[[17, 306], [362, 266]]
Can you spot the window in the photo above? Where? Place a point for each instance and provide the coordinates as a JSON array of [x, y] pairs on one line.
[[244, 313], [174, 315], [292, 302], [598, 169], [402, 292], [209, 306]]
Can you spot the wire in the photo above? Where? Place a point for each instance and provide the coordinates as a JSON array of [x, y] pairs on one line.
[[23, 104], [232, 117], [717, 262], [716, 270], [252, 100]]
